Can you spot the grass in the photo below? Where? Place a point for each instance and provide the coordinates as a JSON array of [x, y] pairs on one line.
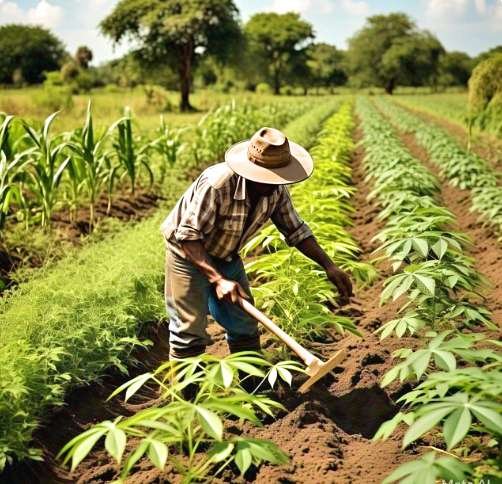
[[109, 106]]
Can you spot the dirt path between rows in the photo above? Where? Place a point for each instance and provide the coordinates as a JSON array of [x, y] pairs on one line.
[[327, 432], [485, 250], [484, 145]]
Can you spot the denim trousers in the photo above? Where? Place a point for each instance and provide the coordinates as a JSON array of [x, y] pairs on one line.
[[190, 298]]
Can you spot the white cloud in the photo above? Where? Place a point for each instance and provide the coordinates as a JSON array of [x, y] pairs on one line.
[[301, 6], [439, 8], [358, 8], [46, 14], [283, 6], [43, 13]]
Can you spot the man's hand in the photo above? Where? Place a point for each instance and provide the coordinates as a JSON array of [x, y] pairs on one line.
[[229, 290], [342, 282]]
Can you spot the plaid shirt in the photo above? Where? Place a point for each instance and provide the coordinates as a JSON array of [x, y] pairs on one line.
[[214, 210]]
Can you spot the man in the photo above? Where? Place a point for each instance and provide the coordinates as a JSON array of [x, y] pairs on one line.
[[211, 222]]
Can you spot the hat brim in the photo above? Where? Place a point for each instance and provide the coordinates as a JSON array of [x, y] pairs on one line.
[[299, 168]]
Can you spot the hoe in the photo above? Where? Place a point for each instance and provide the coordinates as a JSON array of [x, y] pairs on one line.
[[316, 368]]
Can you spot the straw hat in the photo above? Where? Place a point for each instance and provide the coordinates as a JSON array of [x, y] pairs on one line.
[[268, 157]]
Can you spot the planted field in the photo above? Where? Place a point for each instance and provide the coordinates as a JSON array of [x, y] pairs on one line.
[[417, 398]]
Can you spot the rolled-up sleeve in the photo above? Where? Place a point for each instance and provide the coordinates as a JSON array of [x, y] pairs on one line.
[[199, 215], [287, 220]]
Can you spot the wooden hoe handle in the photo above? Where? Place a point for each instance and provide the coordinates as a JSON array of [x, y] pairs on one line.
[[307, 357]]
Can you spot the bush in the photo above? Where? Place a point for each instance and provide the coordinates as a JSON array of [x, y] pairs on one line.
[[263, 88], [158, 98], [53, 98], [485, 94]]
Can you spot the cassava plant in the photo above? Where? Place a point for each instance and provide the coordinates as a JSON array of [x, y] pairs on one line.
[[190, 435]]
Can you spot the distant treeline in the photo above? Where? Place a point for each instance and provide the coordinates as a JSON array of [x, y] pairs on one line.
[[185, 44]]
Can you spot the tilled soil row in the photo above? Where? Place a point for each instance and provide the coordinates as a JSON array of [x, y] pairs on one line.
[[327, 432]]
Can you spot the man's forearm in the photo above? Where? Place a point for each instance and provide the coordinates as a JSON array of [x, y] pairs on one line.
[[311, 249], [198, 256]]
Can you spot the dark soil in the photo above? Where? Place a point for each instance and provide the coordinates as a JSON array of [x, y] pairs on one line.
[[71, 230], [328, 431]]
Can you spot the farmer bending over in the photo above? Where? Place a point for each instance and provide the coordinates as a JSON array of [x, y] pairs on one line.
[[211, 222]]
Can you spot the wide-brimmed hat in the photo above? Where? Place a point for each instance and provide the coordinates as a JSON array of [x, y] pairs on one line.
[[269, 157]]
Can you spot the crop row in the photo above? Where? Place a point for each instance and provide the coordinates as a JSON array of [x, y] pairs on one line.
[[41, 171], [68, 324], [454, 368], [463, 169], [176, 427], [288, 285]]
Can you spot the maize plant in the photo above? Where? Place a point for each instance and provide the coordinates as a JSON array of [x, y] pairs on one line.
[[93, 161], [169, 146], [45, 163], [441, 288], [178, 431], [131, 157]]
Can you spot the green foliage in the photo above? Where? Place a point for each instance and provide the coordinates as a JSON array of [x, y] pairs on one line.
[[26, 52], [485, 93], [454, 69], [174, 32], [428, 469], [462, 168], [325, 63], [441, 289], [278, 38], [290, 287], [46, 163], [389, 51], [131, 157], [176, 430]]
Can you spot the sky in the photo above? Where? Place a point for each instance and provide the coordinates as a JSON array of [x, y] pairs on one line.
[[471, 26]]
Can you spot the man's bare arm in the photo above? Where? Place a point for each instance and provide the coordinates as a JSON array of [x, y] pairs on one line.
[[198, 256], [310, 248]]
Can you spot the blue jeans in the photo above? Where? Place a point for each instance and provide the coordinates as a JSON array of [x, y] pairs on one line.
[[190, 298]]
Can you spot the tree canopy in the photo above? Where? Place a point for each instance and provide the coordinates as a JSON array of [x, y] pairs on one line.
[[26, 52], [278, 39], [455, 69], [325, 62], [176, 32], [390, 50]]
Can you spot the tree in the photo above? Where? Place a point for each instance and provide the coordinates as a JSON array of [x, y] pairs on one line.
[[455, 69], [28, 51], [176, 33], [83, 57], [325, 63], [278, 38], [390, 50]]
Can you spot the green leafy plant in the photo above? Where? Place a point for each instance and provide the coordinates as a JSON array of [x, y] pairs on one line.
[[45, 164], [176, 431], [131, 157]]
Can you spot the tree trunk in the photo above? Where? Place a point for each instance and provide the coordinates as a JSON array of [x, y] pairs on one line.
[[389, 87], [185, 73], [277, 81]]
